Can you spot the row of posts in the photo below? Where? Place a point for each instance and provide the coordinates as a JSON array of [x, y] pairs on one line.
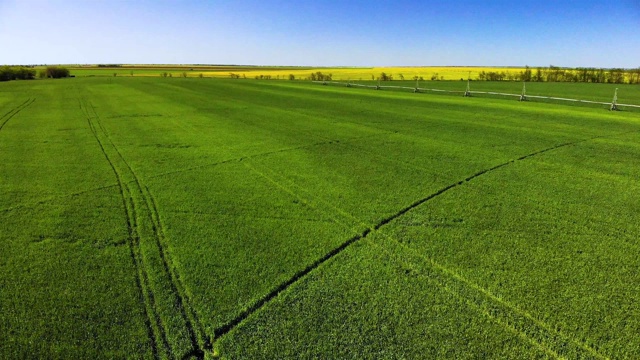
[[467, 92]]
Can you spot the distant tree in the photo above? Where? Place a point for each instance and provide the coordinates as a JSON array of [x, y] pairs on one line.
[[319, 76], [555, 74], [634, 76], [131, 73], [385, 77], [582, 74], [292, 77], [526, 74], [571, 76], [200, 76], [492, 75], [538, 76], [616, 76], [56, 72], [16, 73], [600, 76], [25, 74], [401, 76], [184, 74], [6, 74]]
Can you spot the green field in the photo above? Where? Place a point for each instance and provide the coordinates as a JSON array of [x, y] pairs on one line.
[[177, 218]]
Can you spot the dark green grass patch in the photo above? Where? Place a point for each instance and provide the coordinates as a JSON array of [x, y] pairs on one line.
[[555, 235], [371, 303], [166, 218]]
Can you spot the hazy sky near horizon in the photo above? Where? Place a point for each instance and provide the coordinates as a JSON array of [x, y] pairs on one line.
[[322, 33]]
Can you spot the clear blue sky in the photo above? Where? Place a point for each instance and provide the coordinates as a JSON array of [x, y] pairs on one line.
[[322, 32]]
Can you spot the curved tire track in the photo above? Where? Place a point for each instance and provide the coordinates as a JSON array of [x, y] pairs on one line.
[[559, 338], [258, 155], [6, 117]]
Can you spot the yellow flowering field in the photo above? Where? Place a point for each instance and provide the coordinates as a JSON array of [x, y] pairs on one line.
[[348, 73], [276, 72]]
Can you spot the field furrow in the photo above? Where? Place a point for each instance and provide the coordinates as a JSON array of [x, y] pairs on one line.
[[193, 218], [4, 119]]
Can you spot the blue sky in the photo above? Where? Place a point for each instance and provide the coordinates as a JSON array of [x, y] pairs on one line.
[[322, 33]]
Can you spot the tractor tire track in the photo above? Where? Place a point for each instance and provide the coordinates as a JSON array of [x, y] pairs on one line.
[[449, 275], [141, 279], [224, 329], [485, 171], [236, 159], [244, 314], [306, 201], [486, 310], [6, 117], [267, 153], [501, 311], [197, 337]]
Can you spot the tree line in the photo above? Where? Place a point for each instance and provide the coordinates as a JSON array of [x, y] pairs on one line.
[[558, 74], [8, 73], [16, 73]]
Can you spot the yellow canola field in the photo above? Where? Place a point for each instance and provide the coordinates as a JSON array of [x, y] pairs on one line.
[[299, 73], [358, 74]]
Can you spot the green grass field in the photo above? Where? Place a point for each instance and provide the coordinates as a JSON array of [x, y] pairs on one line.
[[172, 218]]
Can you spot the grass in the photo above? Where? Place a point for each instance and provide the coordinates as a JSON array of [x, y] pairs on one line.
[[191, 218]]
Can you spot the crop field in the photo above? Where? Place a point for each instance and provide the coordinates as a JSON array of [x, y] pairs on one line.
[[283, 72], [188, 218]]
